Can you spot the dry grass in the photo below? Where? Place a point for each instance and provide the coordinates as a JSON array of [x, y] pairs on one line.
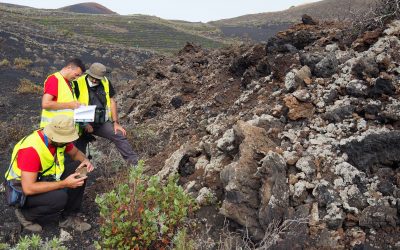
[[273, 234], [144, 140], [27, 87], [375, 16], [21, 63], [35, 73], [12, 132], [4, 63]]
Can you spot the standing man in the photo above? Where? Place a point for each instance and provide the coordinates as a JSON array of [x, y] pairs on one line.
[[58, 98], [37, 164], [93, 88]]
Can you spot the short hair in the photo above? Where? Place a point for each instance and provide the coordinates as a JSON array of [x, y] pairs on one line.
[[77, 63]]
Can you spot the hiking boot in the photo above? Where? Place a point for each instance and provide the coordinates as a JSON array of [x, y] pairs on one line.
[[75, 223], [28, 225]]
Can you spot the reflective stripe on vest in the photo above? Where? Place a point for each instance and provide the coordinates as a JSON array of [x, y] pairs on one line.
[[46, 158], [64, 95], [84, 94]]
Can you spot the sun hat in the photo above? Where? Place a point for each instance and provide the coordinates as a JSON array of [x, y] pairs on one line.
[[61, 129], [97, 70]]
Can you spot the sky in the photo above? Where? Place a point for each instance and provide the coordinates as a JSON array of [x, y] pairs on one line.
[[188, 10]]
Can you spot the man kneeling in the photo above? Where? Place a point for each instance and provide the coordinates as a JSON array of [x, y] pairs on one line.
[[37, 164]]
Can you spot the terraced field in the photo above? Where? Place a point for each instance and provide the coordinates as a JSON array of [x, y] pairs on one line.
[[139, 31]]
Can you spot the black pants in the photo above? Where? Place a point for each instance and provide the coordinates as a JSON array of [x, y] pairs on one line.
[[57, 202]]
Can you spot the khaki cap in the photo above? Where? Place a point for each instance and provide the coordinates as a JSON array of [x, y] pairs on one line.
[[61, 129], [97, 70]]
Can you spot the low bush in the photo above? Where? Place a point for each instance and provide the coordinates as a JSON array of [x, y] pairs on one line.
[[35, 242], [21, 63], [27, 87], [142, 213]]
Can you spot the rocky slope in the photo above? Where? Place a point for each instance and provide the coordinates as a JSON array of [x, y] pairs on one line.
[[302, 128]]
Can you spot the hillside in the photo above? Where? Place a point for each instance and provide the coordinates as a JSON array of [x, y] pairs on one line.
[[293, 143], [137, 31], [260, 27], [303, 129], [88, 8]]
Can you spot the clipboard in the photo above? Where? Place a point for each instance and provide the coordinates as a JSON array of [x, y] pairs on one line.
[[84, 113]]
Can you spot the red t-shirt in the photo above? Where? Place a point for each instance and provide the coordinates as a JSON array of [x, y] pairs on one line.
[[51, 86], [28, 159]]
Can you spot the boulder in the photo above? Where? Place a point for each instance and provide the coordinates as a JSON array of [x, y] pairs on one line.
[[298, 110], [378, 217], [274, 193], [179, 162], [375, 149], [325, 194], [308, 20], [242, 198]]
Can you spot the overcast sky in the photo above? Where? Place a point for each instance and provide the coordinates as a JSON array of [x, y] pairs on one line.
[[189, 10]]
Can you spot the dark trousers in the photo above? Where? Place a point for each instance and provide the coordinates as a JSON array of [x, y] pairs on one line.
[[106, 130], [48, 205], [57, 202]]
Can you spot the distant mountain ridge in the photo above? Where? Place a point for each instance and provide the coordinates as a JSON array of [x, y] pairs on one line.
[[88, 8]]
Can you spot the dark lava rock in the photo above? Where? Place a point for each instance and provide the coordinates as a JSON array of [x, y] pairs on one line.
[[386, 188], [311, 59], [186, 167], [357, 88], [325, 194], [327, 66], [240, 64], [370, 111], [177, 102], [306, 19], [287, 41], [378, 217], [190, 48], [339, 114], [382, 150], [366, 67], [381, 86], [160, 75]]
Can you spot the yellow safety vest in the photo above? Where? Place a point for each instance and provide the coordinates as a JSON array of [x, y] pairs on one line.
[[84, 94], [55, 165], [64, 95]]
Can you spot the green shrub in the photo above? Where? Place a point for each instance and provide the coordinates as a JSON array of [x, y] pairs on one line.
[[142, 213], [20, 63], [34, 242], [182, 241]]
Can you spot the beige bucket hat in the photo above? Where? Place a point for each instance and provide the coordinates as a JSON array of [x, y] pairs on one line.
[[61, 129], [97, 70]]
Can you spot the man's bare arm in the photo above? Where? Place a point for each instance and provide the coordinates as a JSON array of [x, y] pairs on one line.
[[49, 103]]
